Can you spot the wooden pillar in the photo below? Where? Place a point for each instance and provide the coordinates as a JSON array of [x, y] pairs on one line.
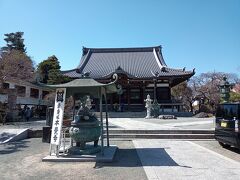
[[74, 104], [143, 92], [111, 102], [106, 110], [155, 89], [101, 118], [128, 97]]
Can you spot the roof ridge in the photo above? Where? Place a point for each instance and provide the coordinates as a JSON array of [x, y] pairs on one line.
[[177, 69], [126, 49], [157, 59], [83, 62]]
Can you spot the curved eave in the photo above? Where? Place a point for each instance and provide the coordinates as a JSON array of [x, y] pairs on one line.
[[179, 74], [71, 73], [119, 72], [87, 85], [79, 83], [187, 74], [67, 71]]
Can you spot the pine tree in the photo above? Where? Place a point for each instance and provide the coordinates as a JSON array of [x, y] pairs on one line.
[[49, 71], [14, 42]]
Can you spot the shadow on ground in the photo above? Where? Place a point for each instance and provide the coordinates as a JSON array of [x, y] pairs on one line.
[[113, 126], [233, 149], [13, 147], [129, 158]]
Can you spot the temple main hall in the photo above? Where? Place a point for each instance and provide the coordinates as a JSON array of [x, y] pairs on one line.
[[141, 71]]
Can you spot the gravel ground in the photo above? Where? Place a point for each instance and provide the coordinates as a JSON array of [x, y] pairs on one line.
[[22, 160]]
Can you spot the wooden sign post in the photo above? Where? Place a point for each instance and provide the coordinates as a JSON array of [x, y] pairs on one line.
[[57, 120]]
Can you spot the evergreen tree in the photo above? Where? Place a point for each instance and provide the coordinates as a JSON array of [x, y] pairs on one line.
[[14, 42], [45, 66], [49, 71], [55, 77]]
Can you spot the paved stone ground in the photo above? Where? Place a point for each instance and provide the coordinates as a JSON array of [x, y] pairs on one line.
[[213, 145], [184, 160], [22, 160], [158, 159], [21, 125], [156, 124], [133, 123], [184, 122], [36, 125]]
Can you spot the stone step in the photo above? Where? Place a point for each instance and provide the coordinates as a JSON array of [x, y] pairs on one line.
[[162, 136], [140, 133], [123, 114], [182, 131], [142, 114]]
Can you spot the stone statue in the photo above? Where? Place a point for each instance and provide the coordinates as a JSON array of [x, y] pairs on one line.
[[84, 113], [148, 106], [88, 103]]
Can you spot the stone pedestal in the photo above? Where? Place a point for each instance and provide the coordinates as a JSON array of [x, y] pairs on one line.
[[46, 134], [87, 150]]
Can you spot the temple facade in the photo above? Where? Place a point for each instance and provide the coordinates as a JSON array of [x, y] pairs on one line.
[[141, 71]]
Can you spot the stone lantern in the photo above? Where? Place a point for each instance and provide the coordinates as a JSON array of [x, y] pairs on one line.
[[225, 87]]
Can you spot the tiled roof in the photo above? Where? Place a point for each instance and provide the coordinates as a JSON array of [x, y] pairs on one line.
[[134, 62], [21, 82]]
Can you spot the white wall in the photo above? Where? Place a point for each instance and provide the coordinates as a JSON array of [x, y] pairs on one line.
[[27, 99]]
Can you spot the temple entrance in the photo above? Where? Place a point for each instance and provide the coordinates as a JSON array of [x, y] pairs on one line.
[[131, 94]]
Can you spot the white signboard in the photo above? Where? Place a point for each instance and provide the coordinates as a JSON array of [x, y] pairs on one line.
[[58, 115]]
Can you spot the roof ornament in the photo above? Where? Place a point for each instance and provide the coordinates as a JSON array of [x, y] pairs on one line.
[[119, 89], [194, 70], [184, 69], [78, 71], [115, 78], [119, 68], [163, 69], [156, 74], [86, 74], [84, 50]]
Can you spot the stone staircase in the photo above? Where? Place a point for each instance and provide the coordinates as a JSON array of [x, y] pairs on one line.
[[146, 134], [10, 135], [162, 134], [123, 114], [142, 114]]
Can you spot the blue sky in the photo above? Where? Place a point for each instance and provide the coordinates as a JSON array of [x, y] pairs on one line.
[[201, 34]]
